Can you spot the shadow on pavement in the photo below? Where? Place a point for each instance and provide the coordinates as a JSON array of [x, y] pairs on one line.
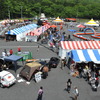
[[72, 98]]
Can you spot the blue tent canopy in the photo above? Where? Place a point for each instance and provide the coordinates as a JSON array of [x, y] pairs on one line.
[[14, 59], [86, 55]]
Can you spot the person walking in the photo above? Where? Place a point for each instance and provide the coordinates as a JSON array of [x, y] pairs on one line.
[[76, 93], [65, 62], [4, 53], [38, 48], [68, 84], [40, 93], [62, 63]]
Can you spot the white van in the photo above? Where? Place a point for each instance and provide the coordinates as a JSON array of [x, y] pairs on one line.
[[6, 79]]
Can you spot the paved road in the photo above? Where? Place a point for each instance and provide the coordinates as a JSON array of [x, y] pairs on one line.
[[54, 84]]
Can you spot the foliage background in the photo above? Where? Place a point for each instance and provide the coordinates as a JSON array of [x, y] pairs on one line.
[[51, 8]]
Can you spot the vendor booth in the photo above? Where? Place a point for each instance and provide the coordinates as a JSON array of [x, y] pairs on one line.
[[13, 59], [66, 46], [33, 35], [91, 23], [20, 33], [58, 20], [26, 55], [85, 55], [82, 58]]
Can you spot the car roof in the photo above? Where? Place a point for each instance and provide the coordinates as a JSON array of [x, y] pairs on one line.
[[4, 73]]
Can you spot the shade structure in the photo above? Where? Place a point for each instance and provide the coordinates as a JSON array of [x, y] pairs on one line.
[[86, 55], [80, 26], [91, 23], [21, 30], [71, 19], [73, 45], [13, 59], [41, 30], [58, 20], [54, 26]]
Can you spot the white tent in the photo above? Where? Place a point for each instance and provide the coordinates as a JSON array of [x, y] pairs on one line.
[[31, 37], [22, 31]]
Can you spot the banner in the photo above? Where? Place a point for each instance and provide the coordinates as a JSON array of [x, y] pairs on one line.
[[41, 30]]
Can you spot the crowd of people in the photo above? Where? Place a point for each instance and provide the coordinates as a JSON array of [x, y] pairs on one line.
[[89, 71], [10, 52]]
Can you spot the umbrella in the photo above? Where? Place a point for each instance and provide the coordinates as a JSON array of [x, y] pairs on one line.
[[53, 26], [80, 26]]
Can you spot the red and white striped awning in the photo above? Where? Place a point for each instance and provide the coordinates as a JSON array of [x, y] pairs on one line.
[[71, 45]]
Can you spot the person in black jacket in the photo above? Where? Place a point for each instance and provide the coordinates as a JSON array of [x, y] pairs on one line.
[[68, 84]]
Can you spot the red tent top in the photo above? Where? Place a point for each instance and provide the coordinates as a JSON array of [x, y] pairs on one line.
[[80, 26], [71, 19], [53, 26], [72, 45]]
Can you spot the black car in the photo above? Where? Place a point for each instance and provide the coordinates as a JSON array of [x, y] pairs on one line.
[[54, 61]]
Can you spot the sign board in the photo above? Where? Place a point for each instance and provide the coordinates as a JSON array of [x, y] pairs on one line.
[[38, 77]]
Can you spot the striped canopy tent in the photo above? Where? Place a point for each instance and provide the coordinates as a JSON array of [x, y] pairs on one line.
[[91, 23], [86, 55], [72, 45], [21, 30], [41, 30], [58, 20], [66, 46]]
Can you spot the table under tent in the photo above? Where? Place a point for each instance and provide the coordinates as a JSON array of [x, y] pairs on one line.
[[83, 58], [10, 61]]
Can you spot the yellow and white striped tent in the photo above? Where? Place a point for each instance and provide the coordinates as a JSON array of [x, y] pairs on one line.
[[58, 20], [91, 23]]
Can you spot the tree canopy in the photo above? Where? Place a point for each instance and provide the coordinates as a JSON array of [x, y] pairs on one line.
[[52, 8]]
